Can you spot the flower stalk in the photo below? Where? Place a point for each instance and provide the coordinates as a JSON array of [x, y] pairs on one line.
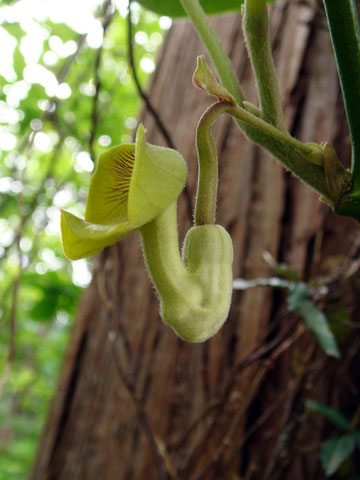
[[205, 205]]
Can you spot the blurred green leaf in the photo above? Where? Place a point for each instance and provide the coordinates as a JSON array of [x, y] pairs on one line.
[[61, 30], [297, 296], [316, 321], [334, 451], [14, 29], [18, 62], [44, 310], [174, 9], [298, 302], [339, 321], [330, 413], [286, 272]]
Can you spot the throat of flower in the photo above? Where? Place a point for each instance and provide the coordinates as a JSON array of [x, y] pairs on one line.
[[107, 202], [121, 169]]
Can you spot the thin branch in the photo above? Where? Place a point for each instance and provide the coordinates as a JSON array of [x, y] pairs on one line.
[[109, 14], [15, 293], [177, 444], [49, 113], [12, 329], [53, 101]]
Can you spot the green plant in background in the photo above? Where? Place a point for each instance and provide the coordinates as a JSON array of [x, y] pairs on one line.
[[336, 450], [299, 302], [57, 78]]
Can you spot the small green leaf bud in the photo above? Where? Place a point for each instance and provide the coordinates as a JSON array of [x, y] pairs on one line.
[[204, 79]]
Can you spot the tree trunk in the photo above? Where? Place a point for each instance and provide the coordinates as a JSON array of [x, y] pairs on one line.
[[134, 401]]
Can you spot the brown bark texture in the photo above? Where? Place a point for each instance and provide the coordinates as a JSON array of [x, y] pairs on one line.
[[136, 402]]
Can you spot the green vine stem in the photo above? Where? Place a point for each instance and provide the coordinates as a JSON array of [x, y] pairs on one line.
[[215, 49], [317, 165], [345, 34], [256, 31], [205, 206], [293, 154], [303, 160]]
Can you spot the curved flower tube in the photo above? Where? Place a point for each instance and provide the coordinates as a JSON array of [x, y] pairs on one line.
[[131, 185], [195, 290]]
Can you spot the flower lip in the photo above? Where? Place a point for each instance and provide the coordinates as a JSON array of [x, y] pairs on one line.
[[158, 176], [122, 172], [131, 185], [82, 239]]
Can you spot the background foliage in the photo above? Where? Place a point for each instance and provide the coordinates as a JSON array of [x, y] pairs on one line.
[[66, 94]]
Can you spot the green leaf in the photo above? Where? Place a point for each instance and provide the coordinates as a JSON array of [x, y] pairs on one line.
[[174, 8], [316, 321], [297, 297], [18, 62], [334, 451], [204, 79], [330, 413], [339, 322], [313, 317], [286, 272], [44, 310], [14, 29]]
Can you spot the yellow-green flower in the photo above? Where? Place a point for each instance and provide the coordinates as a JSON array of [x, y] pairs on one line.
[[131, 185]]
